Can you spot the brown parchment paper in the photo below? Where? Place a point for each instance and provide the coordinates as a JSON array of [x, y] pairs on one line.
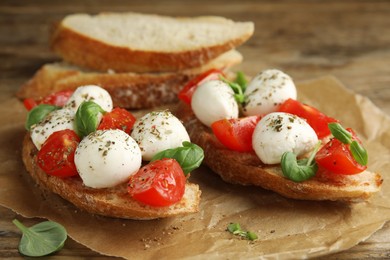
[[286, 228]]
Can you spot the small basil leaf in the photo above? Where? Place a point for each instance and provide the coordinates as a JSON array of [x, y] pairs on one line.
[[340, 133], [87, 118], [234, 227], [241, 80], [37, 114], [189, 156], [297, 170], [41, 239], [359, 153], [251, 235], [237, 89]]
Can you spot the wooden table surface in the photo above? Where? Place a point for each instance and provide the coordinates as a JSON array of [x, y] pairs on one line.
[[306, 39]]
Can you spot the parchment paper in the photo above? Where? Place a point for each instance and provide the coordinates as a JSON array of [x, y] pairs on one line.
[[286, 228]]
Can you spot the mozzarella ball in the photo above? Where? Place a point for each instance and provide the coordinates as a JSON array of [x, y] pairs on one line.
[[214, 100], [106, 158], [90, 93], [158, 131], [55, 121], [277, 133], [267, 91]]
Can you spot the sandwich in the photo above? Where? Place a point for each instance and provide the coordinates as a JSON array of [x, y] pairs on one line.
[[259, 134]]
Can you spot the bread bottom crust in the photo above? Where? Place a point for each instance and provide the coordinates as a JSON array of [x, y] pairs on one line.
[[247, 169], [110, 202]]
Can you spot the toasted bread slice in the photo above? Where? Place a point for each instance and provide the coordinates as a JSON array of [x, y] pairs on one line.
[[128, 90], [111, 202], [132, 42], [247, 169]]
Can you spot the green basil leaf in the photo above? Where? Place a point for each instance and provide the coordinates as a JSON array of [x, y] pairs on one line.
[[297, 170], [189, 156], [359, 153], [241, 80], [37, 114], [251, 235], [87, 118], [41, 239], [340, 133], [234, 227], [238, 90]]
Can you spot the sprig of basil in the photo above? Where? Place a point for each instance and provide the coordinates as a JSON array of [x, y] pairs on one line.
[[299, 170], [235, 229], [241, 80], [359, 153], [38, 113], [41, 239], [87, 118], [189, 156], [237, 88]]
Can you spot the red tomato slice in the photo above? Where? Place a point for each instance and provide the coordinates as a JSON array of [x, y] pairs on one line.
[[316, 119], [186, 93], [57, 99], [29, 103], [337, 158], [160, 183], [118, 118], [236, 134], [56, 156]]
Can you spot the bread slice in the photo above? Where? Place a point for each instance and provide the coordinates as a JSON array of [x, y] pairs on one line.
[[132, 42], [111, 202], [247, 169], [128, 90]]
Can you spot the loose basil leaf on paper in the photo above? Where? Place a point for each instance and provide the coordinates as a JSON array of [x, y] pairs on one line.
[[299, 170], [87, 118], [359, 153], [189, 156], [41, 239], [38, 113], [235, 229]]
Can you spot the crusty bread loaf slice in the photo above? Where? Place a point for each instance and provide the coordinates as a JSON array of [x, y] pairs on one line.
[[132, 42], [128, 90], [247, 169], [111, 202]]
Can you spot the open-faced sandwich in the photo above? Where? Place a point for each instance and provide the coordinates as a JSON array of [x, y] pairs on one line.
[[105, 161], [260, 134]]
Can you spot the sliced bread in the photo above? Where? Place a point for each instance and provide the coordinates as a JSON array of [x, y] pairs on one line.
[[111, 202], [132, 42], [247, 169], [128, 90]]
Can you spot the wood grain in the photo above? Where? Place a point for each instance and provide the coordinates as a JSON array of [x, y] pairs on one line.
[[307, 39]]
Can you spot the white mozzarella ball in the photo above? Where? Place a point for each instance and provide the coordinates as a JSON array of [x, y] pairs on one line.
[[214, 100], [277, 133], [158, 131], [106, 158], [90, 93], [267, 91], [56, 120]]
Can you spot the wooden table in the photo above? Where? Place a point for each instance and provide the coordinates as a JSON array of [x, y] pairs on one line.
[[306, 39]]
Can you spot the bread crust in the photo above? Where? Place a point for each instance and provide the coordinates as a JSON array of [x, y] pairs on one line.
[[128, 90], [247, 169], [110, 202], [90, 53]]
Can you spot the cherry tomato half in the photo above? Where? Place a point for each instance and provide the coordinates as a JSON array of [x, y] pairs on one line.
[[236, 134], [57, 99], [118, 118], [160, 183], [337, 158], [56, 156], [316, 119], [186, 93]]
